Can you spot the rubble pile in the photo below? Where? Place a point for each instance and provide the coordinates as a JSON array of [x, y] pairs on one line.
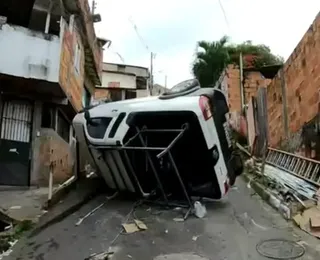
[[5, 236], [301, 198]]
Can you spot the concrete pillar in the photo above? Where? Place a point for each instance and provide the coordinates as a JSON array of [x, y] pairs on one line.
[[35, 143], [284, 104]]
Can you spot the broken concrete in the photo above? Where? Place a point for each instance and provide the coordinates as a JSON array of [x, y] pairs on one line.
[[309, 221]]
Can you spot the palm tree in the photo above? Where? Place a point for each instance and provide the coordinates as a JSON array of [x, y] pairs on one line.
[[210, 60]]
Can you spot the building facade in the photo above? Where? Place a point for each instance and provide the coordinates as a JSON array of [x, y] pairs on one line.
[[120, 82], [51, 61], [157, 90]]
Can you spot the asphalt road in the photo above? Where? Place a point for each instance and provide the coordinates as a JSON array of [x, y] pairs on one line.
[[230, 231]]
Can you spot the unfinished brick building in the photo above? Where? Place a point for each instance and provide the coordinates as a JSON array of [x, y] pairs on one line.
[[292, 95]]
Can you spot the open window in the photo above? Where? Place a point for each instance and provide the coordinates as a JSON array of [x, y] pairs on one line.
[[32, 14], [41, 21], [17, 12], [63, 126], [48, 116]]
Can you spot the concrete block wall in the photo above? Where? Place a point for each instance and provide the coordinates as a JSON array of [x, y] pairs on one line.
[[101, 93], [253, 80], [275, 112], [233, 82], [302, 83], [302, 75]]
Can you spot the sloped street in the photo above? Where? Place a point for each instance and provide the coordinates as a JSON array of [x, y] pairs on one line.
[[231, 230]]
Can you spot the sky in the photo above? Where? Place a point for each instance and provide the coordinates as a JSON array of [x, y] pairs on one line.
[[171, 29]]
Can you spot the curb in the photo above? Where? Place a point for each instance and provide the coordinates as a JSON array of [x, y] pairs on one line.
[[267, 196], [23, 241], [283, 209], [61, 193], [64, 213]]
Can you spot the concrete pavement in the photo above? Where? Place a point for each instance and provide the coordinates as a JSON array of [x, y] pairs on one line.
[[23, 204], [231, 230]]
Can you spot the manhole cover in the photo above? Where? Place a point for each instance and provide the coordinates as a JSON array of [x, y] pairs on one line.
[[280, 249], [181, 256]]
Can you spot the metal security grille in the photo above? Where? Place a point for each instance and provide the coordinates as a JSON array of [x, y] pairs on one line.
[[16, 121]]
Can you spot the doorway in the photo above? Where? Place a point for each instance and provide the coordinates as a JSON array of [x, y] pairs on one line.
[[15, 142]]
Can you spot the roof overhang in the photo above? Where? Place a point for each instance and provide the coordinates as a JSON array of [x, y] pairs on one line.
[[268, 72]]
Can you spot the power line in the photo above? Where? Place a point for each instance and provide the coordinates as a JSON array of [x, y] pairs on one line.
[[135, 27], [224, 14]]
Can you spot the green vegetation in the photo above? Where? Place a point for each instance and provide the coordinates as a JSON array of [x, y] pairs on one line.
[[211, 58], [15, 234]]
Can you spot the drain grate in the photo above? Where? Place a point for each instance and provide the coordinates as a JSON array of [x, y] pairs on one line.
[[181, 256], [280, 249]]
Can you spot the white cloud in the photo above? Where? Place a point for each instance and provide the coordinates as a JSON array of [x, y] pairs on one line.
[[171, 28]]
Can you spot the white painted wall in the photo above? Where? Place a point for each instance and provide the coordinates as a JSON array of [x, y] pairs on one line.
[[137, 70], [126, 81], [142, 93], [28, 54]]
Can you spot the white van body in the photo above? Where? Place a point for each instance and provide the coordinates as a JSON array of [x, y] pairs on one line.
[[105, 129]]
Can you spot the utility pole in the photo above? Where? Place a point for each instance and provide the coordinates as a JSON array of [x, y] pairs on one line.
[[165, 81], [93, 7], [241, 82], [151, 74]]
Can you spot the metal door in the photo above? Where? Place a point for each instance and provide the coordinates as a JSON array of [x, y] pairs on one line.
[[15, 143]]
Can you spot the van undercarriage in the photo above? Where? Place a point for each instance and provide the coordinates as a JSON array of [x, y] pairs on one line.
[[165, 157]]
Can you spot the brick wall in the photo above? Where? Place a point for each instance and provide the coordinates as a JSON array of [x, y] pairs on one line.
[[275, 111], [101, 93], [302, 83], [71, 80], [252, 81], [52, 148], [233, 88]]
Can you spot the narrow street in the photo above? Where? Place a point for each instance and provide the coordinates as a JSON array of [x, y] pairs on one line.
[[231, 230]]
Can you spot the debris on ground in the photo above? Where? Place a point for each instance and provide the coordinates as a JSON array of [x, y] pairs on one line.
[[95, 209], [10, 233], [89, 214], [195, 238], [100, 256], [178, 219], [8, 251], [199, 210], [138, 225], [15, 207], [296, 193], [299, 198], [130, 228], [309, 221]]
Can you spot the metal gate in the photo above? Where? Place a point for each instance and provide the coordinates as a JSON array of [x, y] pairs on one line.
[[15, 143]]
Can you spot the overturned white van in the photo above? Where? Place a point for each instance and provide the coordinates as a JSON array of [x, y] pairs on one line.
[[172, 147]]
